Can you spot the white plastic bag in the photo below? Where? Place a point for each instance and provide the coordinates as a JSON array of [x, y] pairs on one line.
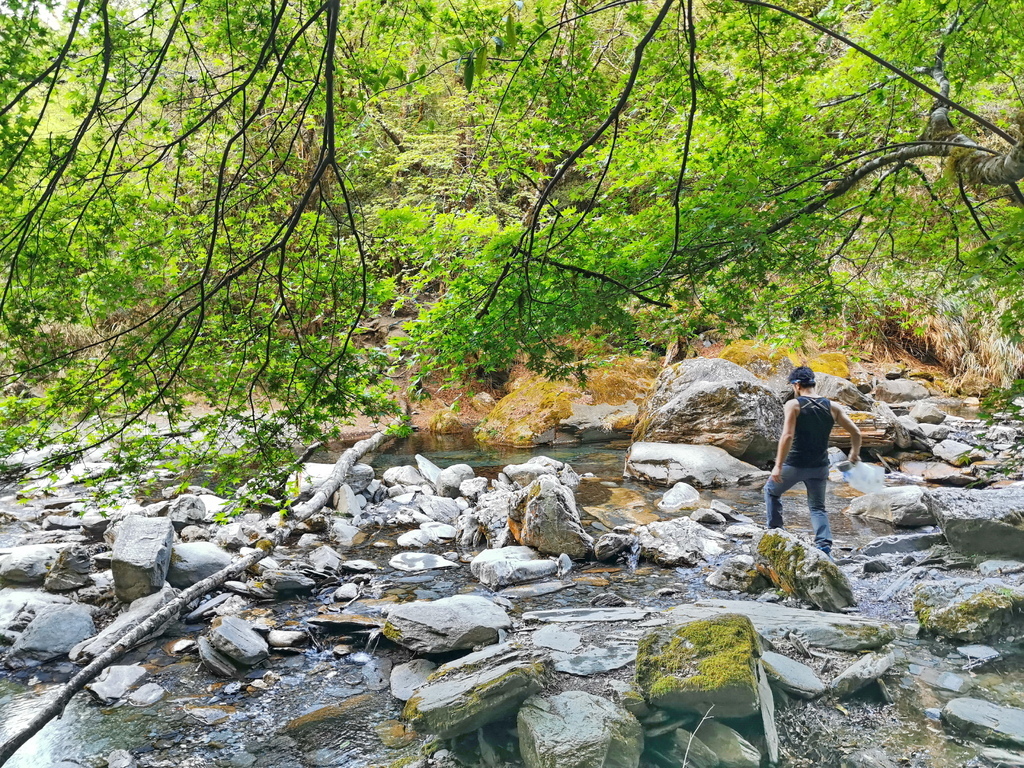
[[866, 478]]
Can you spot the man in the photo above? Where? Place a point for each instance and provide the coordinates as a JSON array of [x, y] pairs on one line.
[[803, 453]]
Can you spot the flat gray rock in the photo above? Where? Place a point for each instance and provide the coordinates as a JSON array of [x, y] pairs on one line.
[[556, 638], [594, 660], [27, 565], [214, 660], [732, 749], [791, 676], [983, 522], [837, 631], [572, 615], [904, 506], [114, 682], [536, 589], [703, 466], [52, 633], [986, 721], [145, 696], [450, 624], [901, 544], [236, 639], [406, 678], [141, 556]]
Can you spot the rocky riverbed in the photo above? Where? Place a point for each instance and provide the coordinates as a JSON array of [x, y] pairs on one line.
[[536, 608]]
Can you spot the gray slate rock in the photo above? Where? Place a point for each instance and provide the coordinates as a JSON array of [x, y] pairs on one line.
[[791, 676], [141, 557], [732, 749], [904, 506], [187, 510], [578, 729], [27, 565], [702, 466], [52, 633], [546, 518], [902, 544], [406, 678], [475, 690], [236, 639], [927, 413], [114, 682], [450, 624], [214, 660], [451, 478], [138, 611], [195, 561], [611, 545], [497, 568], [862, 672], [900, 391], [983, 522], [989, 722], [70, 570]]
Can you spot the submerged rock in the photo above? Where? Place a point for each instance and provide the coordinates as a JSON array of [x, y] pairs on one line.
[[546, 518], [680, 541], [141, 556], [986, 721], [801, 570], [477, 689], [712, 402], [904, 506], [969, 609], [578, 729], [114, 682], [695, 666], [703, 466], [450, 624]]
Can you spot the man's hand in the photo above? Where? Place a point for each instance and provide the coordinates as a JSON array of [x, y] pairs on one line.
[[777, 474], [854, 457]]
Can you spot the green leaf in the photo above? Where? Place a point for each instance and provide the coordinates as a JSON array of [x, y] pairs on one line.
[[467, 72]]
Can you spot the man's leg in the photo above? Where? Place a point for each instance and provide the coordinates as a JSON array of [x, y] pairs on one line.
[[814, 481], [773, 492]]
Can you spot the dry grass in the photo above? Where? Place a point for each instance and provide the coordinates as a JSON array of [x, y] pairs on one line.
[[968, 345]]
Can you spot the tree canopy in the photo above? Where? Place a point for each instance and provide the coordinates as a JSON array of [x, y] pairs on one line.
[[204, 203]]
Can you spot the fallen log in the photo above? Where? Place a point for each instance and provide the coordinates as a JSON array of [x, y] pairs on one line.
[[55, 707]]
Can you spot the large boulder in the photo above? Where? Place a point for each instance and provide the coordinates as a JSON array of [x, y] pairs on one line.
[[904, 506], [703, 466], [802, 570], [695, 666], [842, 391], [983, 522], [497, 568], [679, 542], [712, 402], [450, 624], [477, 689], [579, 730], [900, 391], [987, 721], [141, 557], [543, 412], [927, 413], [969, 609], [546, 518], [52, 633], [195, 561]]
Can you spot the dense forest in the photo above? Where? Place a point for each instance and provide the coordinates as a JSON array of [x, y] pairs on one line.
[[206, 204]]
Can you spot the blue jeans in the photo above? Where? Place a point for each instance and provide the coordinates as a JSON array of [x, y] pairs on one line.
[[814, 479]]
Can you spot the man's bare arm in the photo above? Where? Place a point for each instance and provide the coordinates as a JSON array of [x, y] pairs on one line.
[[847, 423]]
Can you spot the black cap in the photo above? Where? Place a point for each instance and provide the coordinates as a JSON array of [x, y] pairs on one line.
[[802, 375]]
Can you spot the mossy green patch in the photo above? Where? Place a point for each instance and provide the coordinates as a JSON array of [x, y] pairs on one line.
[[978, 617], [714, 659]]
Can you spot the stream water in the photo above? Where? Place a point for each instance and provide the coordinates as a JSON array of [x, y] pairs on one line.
[[204, 720]]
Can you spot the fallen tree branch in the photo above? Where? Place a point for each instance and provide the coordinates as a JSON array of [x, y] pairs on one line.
[[55, 707]]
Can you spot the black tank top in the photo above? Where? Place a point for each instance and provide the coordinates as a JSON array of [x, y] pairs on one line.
[[813, 426]]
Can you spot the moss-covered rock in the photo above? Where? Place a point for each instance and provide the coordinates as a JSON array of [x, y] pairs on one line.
[[965, 609], [541, 412], [694, 666], [444, 422], [801, 570], [760, 359], [832, 363]]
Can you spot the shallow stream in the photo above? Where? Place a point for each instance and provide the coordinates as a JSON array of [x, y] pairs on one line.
[[203, 720]]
